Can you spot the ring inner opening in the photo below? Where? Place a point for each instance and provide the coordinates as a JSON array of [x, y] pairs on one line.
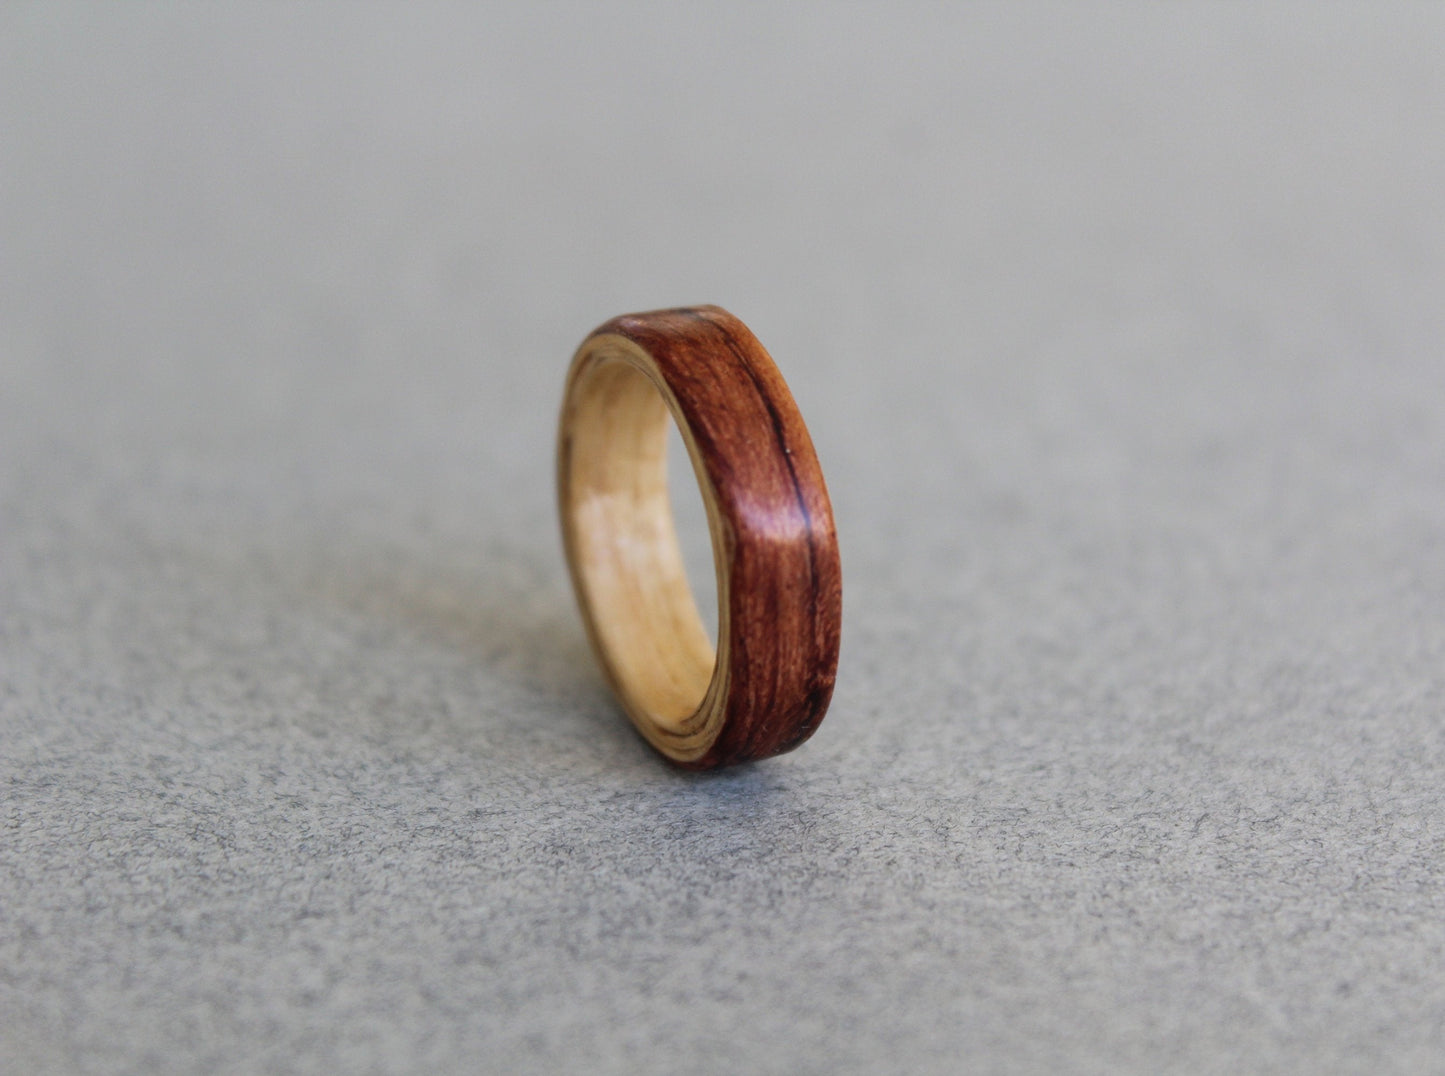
[[625, 539]]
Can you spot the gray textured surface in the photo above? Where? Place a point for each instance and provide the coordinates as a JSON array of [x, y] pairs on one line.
[[1121, 335]]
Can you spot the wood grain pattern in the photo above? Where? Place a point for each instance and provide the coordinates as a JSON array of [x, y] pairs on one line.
[[768, 683]]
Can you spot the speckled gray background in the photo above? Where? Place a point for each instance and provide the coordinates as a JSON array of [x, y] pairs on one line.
[[1121, 334]]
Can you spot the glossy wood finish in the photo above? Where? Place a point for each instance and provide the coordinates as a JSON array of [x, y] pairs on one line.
[[766, 687]]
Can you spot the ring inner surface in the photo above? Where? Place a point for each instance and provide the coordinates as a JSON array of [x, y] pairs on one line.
[[630, 563]]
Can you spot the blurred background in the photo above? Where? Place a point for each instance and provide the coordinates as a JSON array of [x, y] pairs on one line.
[[1119, 331]]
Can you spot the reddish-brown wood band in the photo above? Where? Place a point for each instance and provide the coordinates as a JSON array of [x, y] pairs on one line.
[[780, 550]]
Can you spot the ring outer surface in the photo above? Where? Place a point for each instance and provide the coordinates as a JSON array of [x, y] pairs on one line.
[[775, 546]]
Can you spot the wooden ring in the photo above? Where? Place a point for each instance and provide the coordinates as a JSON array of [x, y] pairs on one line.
[[768, 683]]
